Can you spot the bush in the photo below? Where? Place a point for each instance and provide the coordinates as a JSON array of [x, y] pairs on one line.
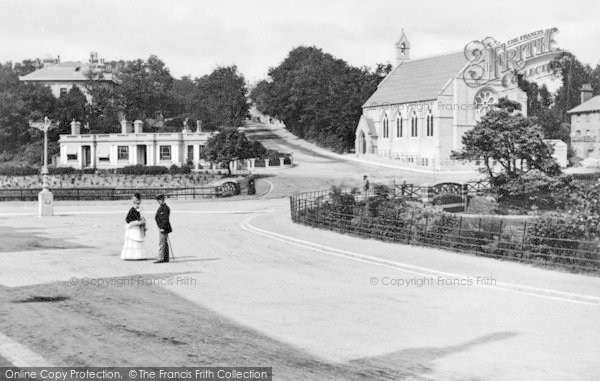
[[482, 205], [381, 191], [18, 171], [62, 170], [568, 240], [535, 189], [447, 198], [563, 238], [143, 170]]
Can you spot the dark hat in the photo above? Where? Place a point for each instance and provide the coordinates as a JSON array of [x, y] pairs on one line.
[[160, 196]]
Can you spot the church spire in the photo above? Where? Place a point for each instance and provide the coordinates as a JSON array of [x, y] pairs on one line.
[[402, 49]]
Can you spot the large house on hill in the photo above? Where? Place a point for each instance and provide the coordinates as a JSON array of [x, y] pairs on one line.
[[61, 76], [585, 125], [420, 111]]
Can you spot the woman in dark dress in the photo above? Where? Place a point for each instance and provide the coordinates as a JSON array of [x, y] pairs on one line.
[[135, 231]]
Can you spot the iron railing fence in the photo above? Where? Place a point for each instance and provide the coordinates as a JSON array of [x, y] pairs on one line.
[[31, 194], [508, 239]]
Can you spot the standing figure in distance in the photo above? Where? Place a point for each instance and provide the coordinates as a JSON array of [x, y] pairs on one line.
[[164, 228], [366, 184]]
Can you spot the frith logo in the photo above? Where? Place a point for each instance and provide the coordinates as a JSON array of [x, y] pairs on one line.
[[529, 55]]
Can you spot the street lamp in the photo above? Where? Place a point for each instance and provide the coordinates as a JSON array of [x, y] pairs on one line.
[[45, 197]]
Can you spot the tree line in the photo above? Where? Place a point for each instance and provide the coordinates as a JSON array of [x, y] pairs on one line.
[[146, 90], [549, 110], [317, 96]]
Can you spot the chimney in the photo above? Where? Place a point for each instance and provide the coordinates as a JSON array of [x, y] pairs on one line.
[[138, 126], [198, 126], [75, 127], [586, 92], [125, 127]]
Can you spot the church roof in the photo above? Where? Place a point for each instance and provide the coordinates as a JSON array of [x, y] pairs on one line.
[[590, 105], [417, 80], [64, 71]]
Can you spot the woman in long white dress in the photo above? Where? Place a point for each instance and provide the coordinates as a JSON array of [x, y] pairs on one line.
[[135, 232]]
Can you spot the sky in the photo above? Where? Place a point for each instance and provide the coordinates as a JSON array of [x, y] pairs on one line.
[[193, 37]]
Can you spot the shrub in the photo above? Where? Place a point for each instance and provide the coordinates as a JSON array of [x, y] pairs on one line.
[[569, 240], [447, 198], [18, 171], [381, 191], [143, 170], [481, 205], [535, 189], [562, 238]]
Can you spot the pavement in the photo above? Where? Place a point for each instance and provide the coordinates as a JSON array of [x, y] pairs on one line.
[[250, 287]]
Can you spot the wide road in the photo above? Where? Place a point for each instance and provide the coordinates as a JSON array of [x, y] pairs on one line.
[[249, 287]]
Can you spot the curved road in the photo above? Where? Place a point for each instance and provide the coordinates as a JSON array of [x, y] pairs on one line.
[[249, 287]]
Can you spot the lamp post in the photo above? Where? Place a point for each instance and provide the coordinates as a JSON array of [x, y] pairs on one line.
[[45, 197]]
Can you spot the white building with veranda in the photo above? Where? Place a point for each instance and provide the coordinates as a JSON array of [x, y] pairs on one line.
[[132, 146], [421, 109]]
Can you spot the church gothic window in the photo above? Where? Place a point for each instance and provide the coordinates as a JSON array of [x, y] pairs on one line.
[[386, 127], [413, 124], [399, 126], [429, 123]]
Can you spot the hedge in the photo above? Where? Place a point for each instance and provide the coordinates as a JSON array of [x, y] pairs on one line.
[[143, 170], [562, 242], [18, 171]]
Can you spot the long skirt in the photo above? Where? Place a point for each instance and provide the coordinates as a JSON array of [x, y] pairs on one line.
[[133, 245]]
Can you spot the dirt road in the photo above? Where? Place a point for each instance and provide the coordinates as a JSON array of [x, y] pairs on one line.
[[251, 288]]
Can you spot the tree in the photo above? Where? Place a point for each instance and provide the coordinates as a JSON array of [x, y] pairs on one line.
[[220, 99], [227, 146], [318, 97], [19, 103], [573, 74], [104, 109], [183, 92], [513, 141], [26, 66], [145, 89], [71, 106]]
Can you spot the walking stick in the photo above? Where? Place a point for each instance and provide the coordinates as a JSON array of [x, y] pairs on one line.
[[170, 247]]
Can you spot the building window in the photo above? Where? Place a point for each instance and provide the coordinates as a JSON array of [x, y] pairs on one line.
[[103, 159], [484, 101], [429, 123], [578, 132], [578, 118], [122, 153], [190, 153], [165, 152], [72, 156], [386, 127], [587, 117], [63, 91], [399, 126], [413, 125]]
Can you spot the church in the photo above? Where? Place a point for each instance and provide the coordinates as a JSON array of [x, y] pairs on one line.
[[422, 108]]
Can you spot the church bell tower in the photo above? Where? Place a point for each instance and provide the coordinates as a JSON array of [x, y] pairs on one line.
[[402, 49]]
